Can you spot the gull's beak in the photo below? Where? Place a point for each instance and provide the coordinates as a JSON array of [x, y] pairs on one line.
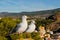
[[34, 22], [27, 17]]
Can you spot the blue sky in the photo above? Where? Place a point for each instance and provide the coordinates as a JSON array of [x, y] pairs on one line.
[[28, 5]]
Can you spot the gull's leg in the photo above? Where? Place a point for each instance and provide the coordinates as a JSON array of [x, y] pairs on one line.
[[29, 38], [21, 36]]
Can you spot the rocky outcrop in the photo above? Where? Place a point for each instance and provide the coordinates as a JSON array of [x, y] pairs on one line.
[[55, 26], [57, 16]]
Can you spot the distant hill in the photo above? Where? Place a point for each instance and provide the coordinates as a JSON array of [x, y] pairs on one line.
[[44, 13]]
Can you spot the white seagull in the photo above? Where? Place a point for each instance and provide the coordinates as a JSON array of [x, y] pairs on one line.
[[21, 27], [31, 27]]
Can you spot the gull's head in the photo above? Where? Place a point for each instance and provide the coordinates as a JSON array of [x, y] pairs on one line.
[[32, 21], [24, 16]]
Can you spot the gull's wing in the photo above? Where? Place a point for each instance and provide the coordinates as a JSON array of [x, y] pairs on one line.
[[26, 29], [15, 29], [30, 28]]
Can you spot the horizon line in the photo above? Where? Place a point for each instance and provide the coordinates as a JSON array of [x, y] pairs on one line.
[[27, 11]]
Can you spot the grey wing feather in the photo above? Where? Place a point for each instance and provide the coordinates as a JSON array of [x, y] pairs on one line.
[[26, 29], [15, 29]]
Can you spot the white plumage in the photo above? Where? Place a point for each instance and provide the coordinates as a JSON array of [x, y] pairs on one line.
[[31, 27], [51, 32], [21, 27]]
